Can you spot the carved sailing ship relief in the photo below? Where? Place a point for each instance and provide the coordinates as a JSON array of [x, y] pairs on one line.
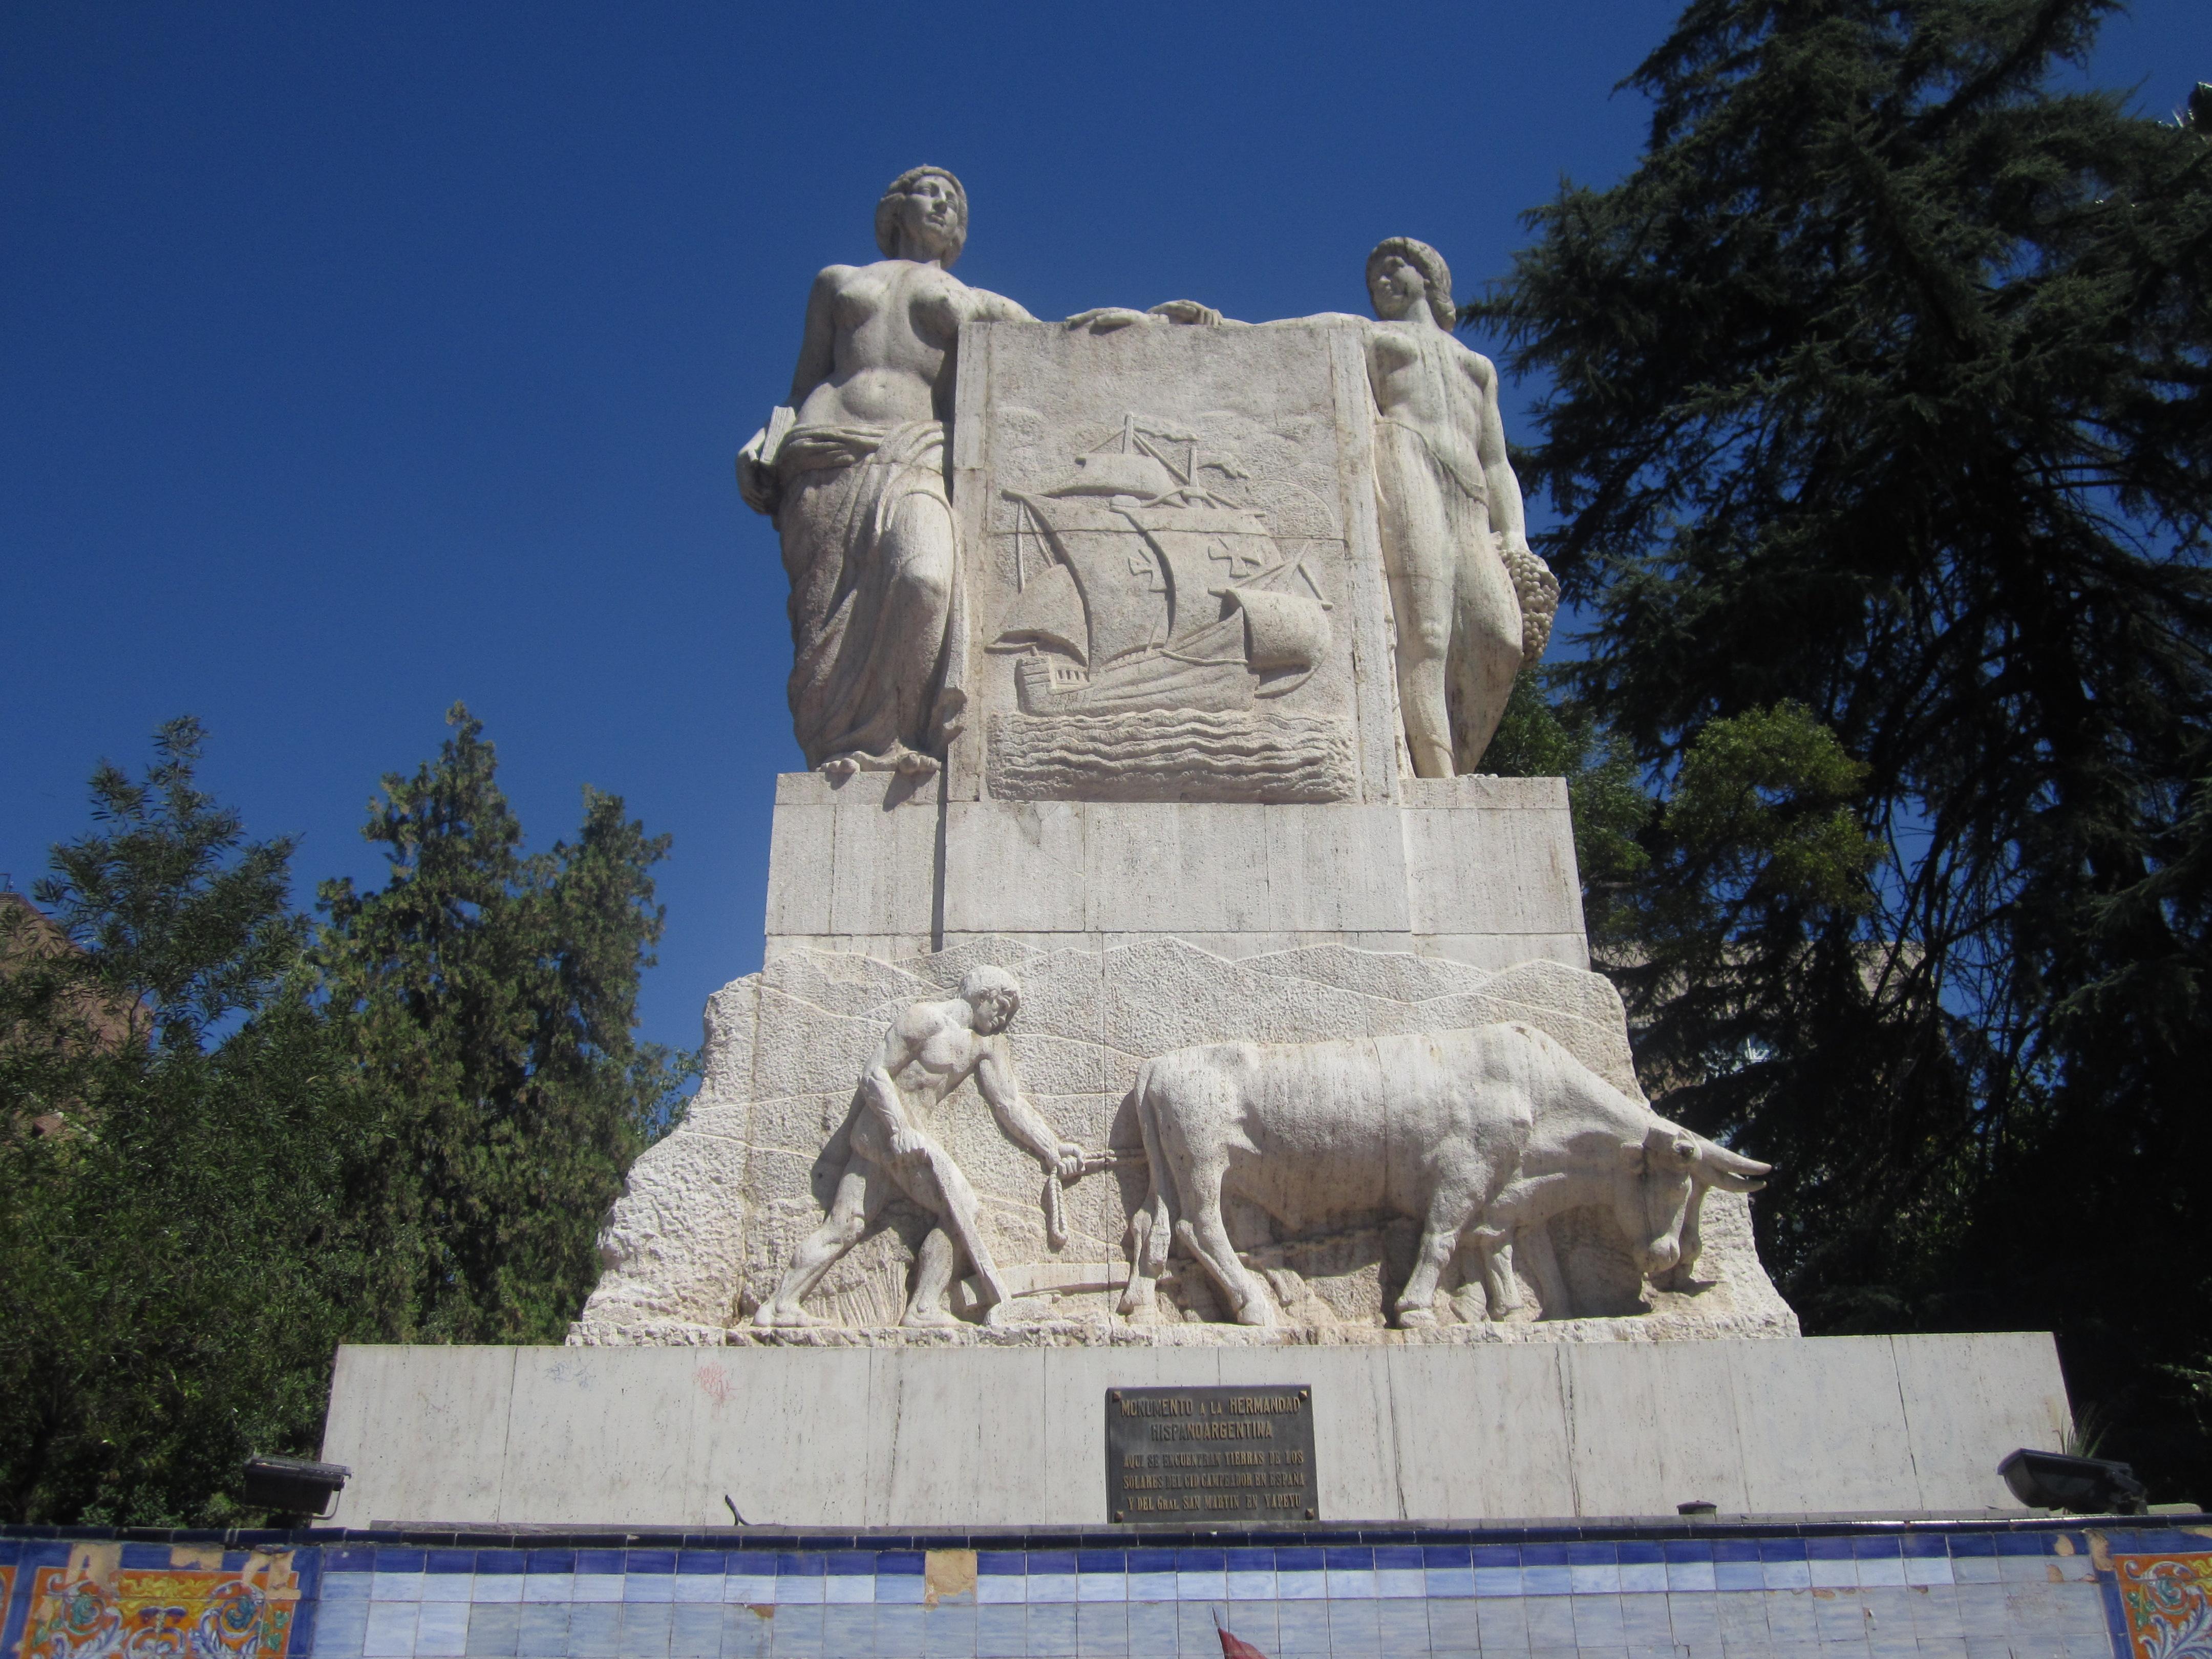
[[1157, 614], [1155, 590]]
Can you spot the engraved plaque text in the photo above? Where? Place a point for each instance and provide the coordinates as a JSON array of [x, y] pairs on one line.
[[1233, 1454]]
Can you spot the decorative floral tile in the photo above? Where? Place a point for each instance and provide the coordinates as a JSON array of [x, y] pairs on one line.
[[90, 1608], [2167, 1602]]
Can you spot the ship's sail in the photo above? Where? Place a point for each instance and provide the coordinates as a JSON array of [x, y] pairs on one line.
[[1049, 611], [1286, 636], [1157, 599], [1125, 596]]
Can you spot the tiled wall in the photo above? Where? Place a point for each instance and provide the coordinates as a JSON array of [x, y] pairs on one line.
[[1960, 1592]]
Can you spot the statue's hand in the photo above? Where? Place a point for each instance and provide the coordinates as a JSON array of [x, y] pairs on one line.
[[1105, 319], [1186, 311], [1068, 1161], [907, 1144], [756, 483]]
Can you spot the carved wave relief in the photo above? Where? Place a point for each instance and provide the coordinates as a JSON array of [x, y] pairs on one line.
[[1171, 755], [711, 1214]]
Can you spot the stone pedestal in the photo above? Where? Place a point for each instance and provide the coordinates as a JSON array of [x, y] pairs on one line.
[[1476, 869], [975, 1436]]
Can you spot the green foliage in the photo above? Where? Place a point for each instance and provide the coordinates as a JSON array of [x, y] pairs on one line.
[[222, 1152], [175, 1260], [1761, 816], [177, 911], [488, 997], [1882, 403]]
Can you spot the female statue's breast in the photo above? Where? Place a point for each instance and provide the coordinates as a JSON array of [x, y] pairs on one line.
[[858, 301], [936, 309]]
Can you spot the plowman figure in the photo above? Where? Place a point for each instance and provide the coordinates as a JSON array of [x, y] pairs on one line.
[[927, 1052]]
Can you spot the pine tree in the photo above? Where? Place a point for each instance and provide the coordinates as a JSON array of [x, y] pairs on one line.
[[172, 1147], [487, 997], [1879, 414]]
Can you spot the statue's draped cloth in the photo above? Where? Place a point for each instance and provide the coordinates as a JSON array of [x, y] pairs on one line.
[[1403, 450], [871, 669]]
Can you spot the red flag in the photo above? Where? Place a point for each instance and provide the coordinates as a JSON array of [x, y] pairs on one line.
[[1236, 1647]]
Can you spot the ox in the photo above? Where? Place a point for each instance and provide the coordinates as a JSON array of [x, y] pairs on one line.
[[1477, 1133]]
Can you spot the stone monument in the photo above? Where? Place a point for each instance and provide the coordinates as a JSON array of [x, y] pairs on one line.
[[1154, 995]]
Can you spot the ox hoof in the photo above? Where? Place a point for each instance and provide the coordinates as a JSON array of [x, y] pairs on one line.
[[1416, 1319]]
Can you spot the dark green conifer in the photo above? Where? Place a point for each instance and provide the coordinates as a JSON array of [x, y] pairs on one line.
[[1880, 401], [488, 997]]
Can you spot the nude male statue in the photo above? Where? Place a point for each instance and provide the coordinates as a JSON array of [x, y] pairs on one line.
[[927, 1052]]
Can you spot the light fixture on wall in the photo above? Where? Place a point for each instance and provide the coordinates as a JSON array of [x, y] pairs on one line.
[[2087, 1486], [293, 1485]]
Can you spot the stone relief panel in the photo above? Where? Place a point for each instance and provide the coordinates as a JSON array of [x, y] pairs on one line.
[[1163, 582], [715, 1218]]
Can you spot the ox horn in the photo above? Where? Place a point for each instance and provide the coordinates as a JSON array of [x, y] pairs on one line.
[[1730, 1171]]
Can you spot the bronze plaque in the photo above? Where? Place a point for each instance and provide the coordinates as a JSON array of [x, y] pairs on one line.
[[1237, 1454]]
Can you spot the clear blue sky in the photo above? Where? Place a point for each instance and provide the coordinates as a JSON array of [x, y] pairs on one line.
[[356, 359]]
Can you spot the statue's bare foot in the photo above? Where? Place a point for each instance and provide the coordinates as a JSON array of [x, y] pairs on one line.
[[907, 762], [927, 1318], [1416, 1319], [772, 1316]]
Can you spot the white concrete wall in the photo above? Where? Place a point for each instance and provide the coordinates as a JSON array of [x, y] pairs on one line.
[[1478, 870], [860, 1436]]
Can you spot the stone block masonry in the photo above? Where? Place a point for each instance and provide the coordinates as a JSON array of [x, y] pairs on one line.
[[1476, 870]]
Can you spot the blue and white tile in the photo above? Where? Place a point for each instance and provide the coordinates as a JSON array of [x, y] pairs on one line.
[[1690, 1576], [750, 1588], [340, 1626], [1153, 1587], [494, 1629], [1545, 1581], [443, 1630], [391, 1631], [1051, 1588]]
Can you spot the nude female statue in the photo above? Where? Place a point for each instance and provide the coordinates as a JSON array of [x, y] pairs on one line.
[[1470, 602], [854, 476], [853, 471]]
